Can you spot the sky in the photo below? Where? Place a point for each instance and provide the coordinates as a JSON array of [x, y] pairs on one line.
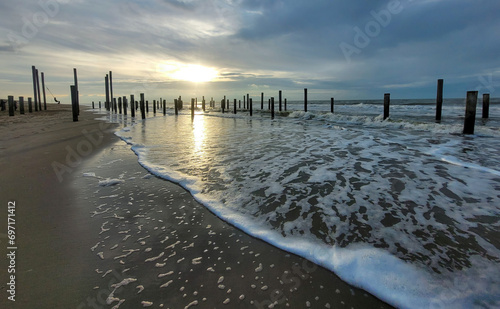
[[192, 48]]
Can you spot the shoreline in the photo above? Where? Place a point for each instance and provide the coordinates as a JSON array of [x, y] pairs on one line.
[[59, 264]]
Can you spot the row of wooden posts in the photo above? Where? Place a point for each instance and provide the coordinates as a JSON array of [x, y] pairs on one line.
[[470, 115]]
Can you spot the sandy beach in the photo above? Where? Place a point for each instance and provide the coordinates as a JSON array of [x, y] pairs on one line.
[[89, 217]]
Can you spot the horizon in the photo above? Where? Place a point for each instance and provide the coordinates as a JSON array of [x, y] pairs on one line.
[[167, 48]]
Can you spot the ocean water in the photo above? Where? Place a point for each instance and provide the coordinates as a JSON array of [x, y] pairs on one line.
[[406, 208]]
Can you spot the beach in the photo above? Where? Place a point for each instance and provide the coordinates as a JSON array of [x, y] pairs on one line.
[[95, 230]]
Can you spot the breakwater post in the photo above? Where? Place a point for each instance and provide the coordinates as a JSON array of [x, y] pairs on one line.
[[305, 100], [74, 103], [30, 105], [262, 100], [106, 85], [387, 103], [470, 112], [251, 107], [332, 103], [11, 105], [143, 111], [203, 103], [439, 100], [43, 88], [279, 95], [110, 78], [115, 106], [33, 72], [272, 107], [120, 105], [486, 105], [154, 107], [2, 105], [132, 105], [176, 108], [285, 104], [77, 93], [93, 106], [99, 104], [147, 106], [234, 106], [125, 105], [164, 107], [192, 108], [21, 105]]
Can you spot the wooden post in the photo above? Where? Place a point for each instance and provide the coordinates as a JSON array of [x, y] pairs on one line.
[[154, 107], [77, 93], [143, 114], [125, 105], [269, 104], [272, 107], [110, 78], [280, 109], [470, 112], [192, 108], [43, 88], [176, 108], [2, 105], [11, 105], [106, 84], [305, 100], [222, 104], [115, 105], [387, 103], [132, 105], [164, 107], [120, 105], [203, 104], [74, 102], [234, 106], [147, 106], [244, 102], [93, 107], [486, 105], [332, 102], [30, 105], [239, 104], [285, 104], [21, 105], [33, 72], [99, 104], [38, 91], [248, 100], [439, 100], [251, 107], [262, 100]]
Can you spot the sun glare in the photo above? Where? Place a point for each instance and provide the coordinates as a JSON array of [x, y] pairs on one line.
[[188, 72]]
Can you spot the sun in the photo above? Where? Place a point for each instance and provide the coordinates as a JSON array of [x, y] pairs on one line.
[[188, 72]]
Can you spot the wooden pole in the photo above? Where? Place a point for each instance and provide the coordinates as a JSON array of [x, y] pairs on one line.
[[164, 107], [110, 79], [21, 105], [272, 107], [192, 108], [305, 100], [244, 102], [262, 100], [93, 106], [125, 105], [38, 91], [470, 112], [43, 88], [439, 100], [222, 104], [154, 107], [132, 105], [203, 104], [234, 107], [106, 85], [120, 105], [147, 107], [332, 102], [176, 108], [280, 108], [30, 105], [387, 103], [77, 92], [33, 72], [115, 106], [285, 104], [143, 114], [251, 107], [11, 105], [248, 101], [486, 105], [2, 105], [74, 102], [99, 104]]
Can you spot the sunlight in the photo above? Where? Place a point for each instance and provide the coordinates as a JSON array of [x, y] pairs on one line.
[[199, 135], [188, 72]]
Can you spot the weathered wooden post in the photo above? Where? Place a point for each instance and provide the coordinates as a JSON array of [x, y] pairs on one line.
[[470, 112], [154, 107], [147, 106], [106, 83], [33, 72], [203, 104], [38, 90], [164, 107], [21, 105], [279, 95], [244, 102], [99, 104], [74, 102], [248, 100], [239, 104], [439, 100], [77, 93], [222, 104], [285, 104], [43, 88], [93, 107], [387, 103], [225, 104], [332, 102], [120, 105], [234, 107], [262, 100], [2, 105], [143, 111], [486, 105], [269, 104], [115, 105], [125, 105], [305, 100], [176, 108], [11, 105], [132, 105], [251, 107], [272, 107], [192, 108], [110, 78], [30, 105]]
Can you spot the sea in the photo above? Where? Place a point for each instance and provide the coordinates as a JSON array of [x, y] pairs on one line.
[[405, 208]]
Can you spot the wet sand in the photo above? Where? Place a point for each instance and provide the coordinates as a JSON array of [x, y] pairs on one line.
[[77, 239]]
